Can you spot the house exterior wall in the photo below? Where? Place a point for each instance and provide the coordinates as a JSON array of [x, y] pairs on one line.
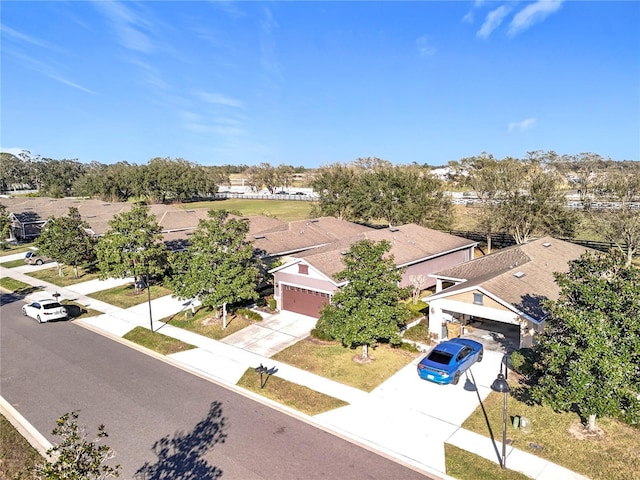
[[434, 265], [289, 276]]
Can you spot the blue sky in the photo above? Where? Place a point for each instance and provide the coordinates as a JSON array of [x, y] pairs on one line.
[[312, 83]]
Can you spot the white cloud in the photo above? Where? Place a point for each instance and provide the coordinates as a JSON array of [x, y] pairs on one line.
[[128, 26], [522, 126], [424, 46], [532, 14], [469, 17], [219, 99], [492, 21]]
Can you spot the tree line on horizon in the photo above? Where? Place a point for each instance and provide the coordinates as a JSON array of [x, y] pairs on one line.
[[523, 198]]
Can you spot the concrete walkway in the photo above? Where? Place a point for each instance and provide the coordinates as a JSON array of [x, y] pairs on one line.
[[404, 417]]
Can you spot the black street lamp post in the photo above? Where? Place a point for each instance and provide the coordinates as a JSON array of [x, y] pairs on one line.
[[149, 301], [500, 385]]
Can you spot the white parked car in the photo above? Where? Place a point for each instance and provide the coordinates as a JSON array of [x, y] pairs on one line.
[[45, 310]]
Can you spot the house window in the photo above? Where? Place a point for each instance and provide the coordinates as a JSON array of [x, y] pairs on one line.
[[303, 269], [478, 298]]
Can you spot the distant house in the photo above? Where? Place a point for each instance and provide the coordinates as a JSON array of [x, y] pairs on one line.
[[307, 279], [501, 294]]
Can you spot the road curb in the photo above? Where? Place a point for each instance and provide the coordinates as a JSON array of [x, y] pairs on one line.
[[28, 431]]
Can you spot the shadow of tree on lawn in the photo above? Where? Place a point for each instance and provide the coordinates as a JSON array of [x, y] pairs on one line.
[[181, 457]]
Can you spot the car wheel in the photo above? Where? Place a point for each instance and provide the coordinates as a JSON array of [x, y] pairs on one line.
[[38, 318], [38, 262], [480, 355], [456, 378]]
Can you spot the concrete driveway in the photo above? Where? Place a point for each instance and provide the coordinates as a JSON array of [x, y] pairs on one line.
[[450, 403], [273, 334]]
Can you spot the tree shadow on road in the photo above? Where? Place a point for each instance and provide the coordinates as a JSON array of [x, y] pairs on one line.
[[181, 457]]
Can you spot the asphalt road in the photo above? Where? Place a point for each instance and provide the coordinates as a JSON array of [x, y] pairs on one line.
[[161, 420]]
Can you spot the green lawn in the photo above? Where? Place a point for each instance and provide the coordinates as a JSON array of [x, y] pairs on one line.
[[291, 394], [23, 247], [285, 210], [156, 341], [124, 296], [204, 323], [465, 465], [16, 286], [13, 263], [332, 360], [612, 457], [17, 456], [51, 275]]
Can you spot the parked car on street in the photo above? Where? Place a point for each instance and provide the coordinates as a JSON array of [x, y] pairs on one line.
[[45, 310], [34, 258], [448, 360]]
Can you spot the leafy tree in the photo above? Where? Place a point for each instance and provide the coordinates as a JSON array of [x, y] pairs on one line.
[[132, 246], [13, 171], [66, 240], [55, 177], [76, 457], [263, 175], [620, 225], [336, 186], [521, 197], [400, 195], [218, 267], [589, 354], [368, 308], [5, 227]]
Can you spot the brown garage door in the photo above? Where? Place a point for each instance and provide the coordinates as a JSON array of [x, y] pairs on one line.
[[303, 301]]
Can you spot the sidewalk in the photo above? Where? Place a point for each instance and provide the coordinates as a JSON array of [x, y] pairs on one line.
[[401, 429]]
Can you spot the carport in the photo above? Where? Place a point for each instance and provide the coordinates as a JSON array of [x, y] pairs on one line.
[[494, 335]]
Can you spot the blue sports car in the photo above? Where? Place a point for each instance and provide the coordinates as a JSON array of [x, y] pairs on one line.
[[448, 360]]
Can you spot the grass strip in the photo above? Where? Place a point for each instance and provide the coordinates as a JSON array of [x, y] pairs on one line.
[[76, 310], [465, 465], [17, 456], [13, 263], [332, 360], [156, 341], [290, 394], [17, 287]]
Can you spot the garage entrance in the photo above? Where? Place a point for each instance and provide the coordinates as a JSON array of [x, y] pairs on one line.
[[494, 335], [303, 301]]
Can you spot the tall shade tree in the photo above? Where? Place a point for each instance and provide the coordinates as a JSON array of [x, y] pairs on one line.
[[400, 195], [132, 246], [367, 309], [218, 267], [621, 224], [336, 186], [521, 198], [66, 240], [589, 354]]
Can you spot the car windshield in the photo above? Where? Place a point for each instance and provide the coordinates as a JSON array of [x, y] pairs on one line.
[[48, 306], [440, 357]]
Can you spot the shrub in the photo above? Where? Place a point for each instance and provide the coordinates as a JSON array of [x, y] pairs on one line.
[[321, 332], [249, 314], [522, 361], [417, 310], [272, 304]]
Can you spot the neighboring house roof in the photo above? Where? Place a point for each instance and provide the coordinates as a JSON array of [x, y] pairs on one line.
[[410, 244], [305, 234], [521, 276]]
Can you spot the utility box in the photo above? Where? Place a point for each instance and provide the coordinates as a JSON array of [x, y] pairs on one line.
[[525, 425]]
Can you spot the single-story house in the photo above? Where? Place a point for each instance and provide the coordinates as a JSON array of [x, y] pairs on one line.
[[307, 279], [498, 297]]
